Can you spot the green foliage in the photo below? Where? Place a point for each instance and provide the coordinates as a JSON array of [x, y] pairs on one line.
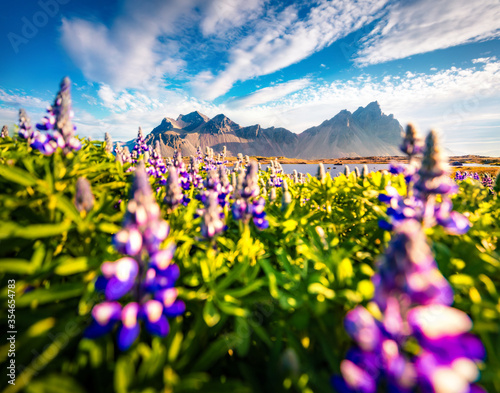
[[265, 308]]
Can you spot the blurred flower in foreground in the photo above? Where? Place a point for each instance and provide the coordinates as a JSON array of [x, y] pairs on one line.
[[408, 268], [146, 276], [412, 142], [84, 199], [5, 132], [415, 300], [59, 122], [420, 203], [433, 173]]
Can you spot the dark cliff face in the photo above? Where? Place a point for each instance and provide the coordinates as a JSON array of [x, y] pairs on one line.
[[165, 125], [383, 126], [280, 135], [192, 120], [220, 124], [250, 132], [367, 131]]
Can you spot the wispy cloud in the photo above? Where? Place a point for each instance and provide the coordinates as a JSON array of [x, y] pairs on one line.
[[221, 15], [21, 99], [128, 54], [270, 93], [421, 26], [282, 39]]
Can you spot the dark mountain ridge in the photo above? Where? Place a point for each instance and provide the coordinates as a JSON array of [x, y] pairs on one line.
[[366, 132]]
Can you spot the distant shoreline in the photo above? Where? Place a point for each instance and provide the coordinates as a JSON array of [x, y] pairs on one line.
[[468, 159]]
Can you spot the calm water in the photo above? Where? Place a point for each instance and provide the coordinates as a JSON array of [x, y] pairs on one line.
[[334, 170]]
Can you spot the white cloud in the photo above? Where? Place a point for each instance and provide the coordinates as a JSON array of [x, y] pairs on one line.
[[284, 39], [270, 93], [221, 15], [484, 60], [422, 26], [21, 100], [128, 54], [458, 101]]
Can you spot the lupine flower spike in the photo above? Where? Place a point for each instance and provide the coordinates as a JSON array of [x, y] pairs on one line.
[[414, 298], [84, 199], [109, 143], [59, 122], [5, 132], [321, 172], [212, 214], [144, 280], [412, 142], [420, 204], [174, 195], [25, 129], [247, 202]]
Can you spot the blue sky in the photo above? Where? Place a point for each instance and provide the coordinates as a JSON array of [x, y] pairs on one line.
[[276, 63]]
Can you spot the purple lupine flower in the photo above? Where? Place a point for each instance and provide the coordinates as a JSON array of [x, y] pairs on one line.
[[250, 187], [59, 122], [408, 267], [412, 142], [432, 178], [174, 195], [140, 146], [449, 354], [146, 274], [487, 181], [453, 222], [25, 129], [258, 214], [433, 173], [245, 206], [194, 172], [415, 300], [5, 131], [212, 215], [84, 199], [400, 208], [225, 186], [377, 357]]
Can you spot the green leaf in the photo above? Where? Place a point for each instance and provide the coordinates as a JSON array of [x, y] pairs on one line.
[[72, 266], [18, 266], [67, 208], [35, 231], [53, 294], [17, 175]]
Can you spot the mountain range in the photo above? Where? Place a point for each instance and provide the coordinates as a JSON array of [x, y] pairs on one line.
[[366, 132]]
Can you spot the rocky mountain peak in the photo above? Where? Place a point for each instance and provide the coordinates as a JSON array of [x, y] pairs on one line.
[[192, 120], [367, 131], [219, 124]]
